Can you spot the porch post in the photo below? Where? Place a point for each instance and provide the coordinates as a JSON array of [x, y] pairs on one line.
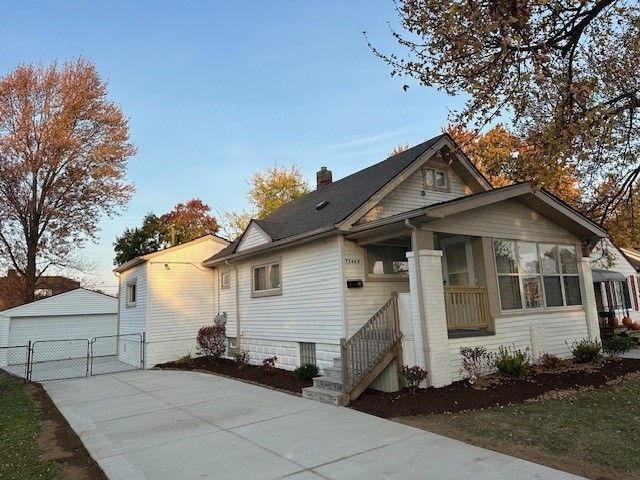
[[589, 300], [435, 342]]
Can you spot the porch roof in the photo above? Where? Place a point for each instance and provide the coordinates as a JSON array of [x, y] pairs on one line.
[[539, 200], [607, 276]]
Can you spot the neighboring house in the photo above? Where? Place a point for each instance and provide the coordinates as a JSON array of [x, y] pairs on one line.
[[77, 314], [11, 288], [615, 280], [495, 267], [168, 296]]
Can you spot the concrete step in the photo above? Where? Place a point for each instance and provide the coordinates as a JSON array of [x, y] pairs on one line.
[[328, 383], [325, 396], [332, 372]]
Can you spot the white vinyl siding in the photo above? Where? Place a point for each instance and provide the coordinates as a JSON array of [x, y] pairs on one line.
[[308, 310], [409, 196], [363, 303], [133, 319], [253, 237]]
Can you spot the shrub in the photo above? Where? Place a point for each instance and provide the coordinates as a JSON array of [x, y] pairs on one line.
[[306, 372], [413, 376], [183, 360], [618, 344], [212, 341], [241, 358], [512, 361], [549, 361], [586, 350], [269, 364], [476, 362]]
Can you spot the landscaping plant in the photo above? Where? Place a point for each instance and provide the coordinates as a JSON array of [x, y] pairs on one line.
[[269, 364], [184, 360], [550, 362], [212, 341], [413, 376], [586, 350], [617, 345], [306, 372], [241, 357], [476, 362], [512, 361]]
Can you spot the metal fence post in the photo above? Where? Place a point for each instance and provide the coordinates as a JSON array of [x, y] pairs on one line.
[[88, 357], [142, 350], [27, 373]]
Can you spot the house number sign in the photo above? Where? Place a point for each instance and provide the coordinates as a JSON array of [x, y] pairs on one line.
[[352, 261]]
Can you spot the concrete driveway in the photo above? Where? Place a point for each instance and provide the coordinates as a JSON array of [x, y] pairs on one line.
[[182, 425]]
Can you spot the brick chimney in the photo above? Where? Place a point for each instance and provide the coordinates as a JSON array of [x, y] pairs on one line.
[[323, 178]]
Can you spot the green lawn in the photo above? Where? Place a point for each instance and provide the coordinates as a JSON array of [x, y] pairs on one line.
[[19, 429], [593, 433]]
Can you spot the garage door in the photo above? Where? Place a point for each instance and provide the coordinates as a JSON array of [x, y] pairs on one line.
[[25, 329]]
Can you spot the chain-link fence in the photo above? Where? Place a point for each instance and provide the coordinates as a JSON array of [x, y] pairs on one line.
[[15, 360], [59, 359]]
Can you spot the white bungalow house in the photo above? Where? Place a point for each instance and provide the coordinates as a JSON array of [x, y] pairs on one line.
[[615, 280], [167, 295], [316, 281]]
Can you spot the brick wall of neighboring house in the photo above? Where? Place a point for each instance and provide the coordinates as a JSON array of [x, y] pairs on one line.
[[11, 288]]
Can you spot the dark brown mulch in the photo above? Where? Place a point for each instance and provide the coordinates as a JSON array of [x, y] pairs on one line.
[[59, 442], [460, 396], [278, 378]]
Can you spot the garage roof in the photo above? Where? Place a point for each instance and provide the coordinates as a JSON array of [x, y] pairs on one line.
[[75, 302]]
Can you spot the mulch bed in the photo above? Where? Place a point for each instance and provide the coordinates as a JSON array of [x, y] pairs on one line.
[[460, 396], [278, 378], [59, 442]]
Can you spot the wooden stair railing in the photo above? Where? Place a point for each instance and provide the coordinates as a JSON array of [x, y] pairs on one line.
[[368, 351]]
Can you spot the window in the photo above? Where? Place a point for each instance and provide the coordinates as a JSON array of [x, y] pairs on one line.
[[433, 178], [266, 280], [131, 294], [535, 275], [307, 353], [225, 279], [387, 262], [43, 292]]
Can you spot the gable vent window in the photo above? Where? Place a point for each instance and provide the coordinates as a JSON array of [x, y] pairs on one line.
[[435, 179], [321, 205]]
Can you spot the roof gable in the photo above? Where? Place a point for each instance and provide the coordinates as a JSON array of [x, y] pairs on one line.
[[75, 302], [253, 236]]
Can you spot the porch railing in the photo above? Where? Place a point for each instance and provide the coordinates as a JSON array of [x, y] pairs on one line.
[[466, 307], [365, 349]]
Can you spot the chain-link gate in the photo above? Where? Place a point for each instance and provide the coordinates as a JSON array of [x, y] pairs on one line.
[[59, 359]]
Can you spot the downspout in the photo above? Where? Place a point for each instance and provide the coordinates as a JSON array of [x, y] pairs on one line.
[[416, 257], [237, 295]]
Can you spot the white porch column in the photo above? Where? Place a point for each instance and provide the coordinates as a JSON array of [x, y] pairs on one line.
[[589, 300], [433, 327]]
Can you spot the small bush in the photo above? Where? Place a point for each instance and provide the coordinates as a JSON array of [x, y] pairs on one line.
[[241, 358], [269, 364], [512, 361], [586, 350], [212, 341], [413, 376], [306, 372], [183, 360], [550, 362], [476, 362], [617, 345]]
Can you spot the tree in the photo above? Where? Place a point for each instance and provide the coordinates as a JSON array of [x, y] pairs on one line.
[[276, 187], [398, 149], [563, 71], [189, 220], [504, 158], [185, 222], [64, 149], [270, 190], [135, 242]]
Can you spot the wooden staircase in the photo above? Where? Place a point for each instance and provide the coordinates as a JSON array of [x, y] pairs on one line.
[[364, 356]]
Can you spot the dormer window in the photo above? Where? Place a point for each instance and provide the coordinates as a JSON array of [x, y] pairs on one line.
[[434, 179]]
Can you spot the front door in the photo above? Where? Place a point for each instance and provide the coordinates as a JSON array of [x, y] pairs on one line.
[[457, 262]]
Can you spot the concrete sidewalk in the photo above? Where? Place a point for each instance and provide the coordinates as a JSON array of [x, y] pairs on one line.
[[186, 425]]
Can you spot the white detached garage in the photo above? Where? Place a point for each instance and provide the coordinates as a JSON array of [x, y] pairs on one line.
[[77, 314]]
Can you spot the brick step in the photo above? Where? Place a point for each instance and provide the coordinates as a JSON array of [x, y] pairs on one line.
[[331, 397], [328, 383]]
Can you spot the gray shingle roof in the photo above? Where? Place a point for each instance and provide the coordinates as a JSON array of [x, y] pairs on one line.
[[344, 196]]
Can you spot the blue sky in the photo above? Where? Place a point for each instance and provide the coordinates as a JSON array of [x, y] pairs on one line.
[[217, 90]]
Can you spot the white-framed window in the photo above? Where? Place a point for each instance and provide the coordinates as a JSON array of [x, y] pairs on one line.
[[225, 279], [435, 179], [132, 293], [536, 275], [43, 292], [265, 279], [387, 262]]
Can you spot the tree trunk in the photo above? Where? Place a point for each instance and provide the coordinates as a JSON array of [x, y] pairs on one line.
[[30, 273]]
